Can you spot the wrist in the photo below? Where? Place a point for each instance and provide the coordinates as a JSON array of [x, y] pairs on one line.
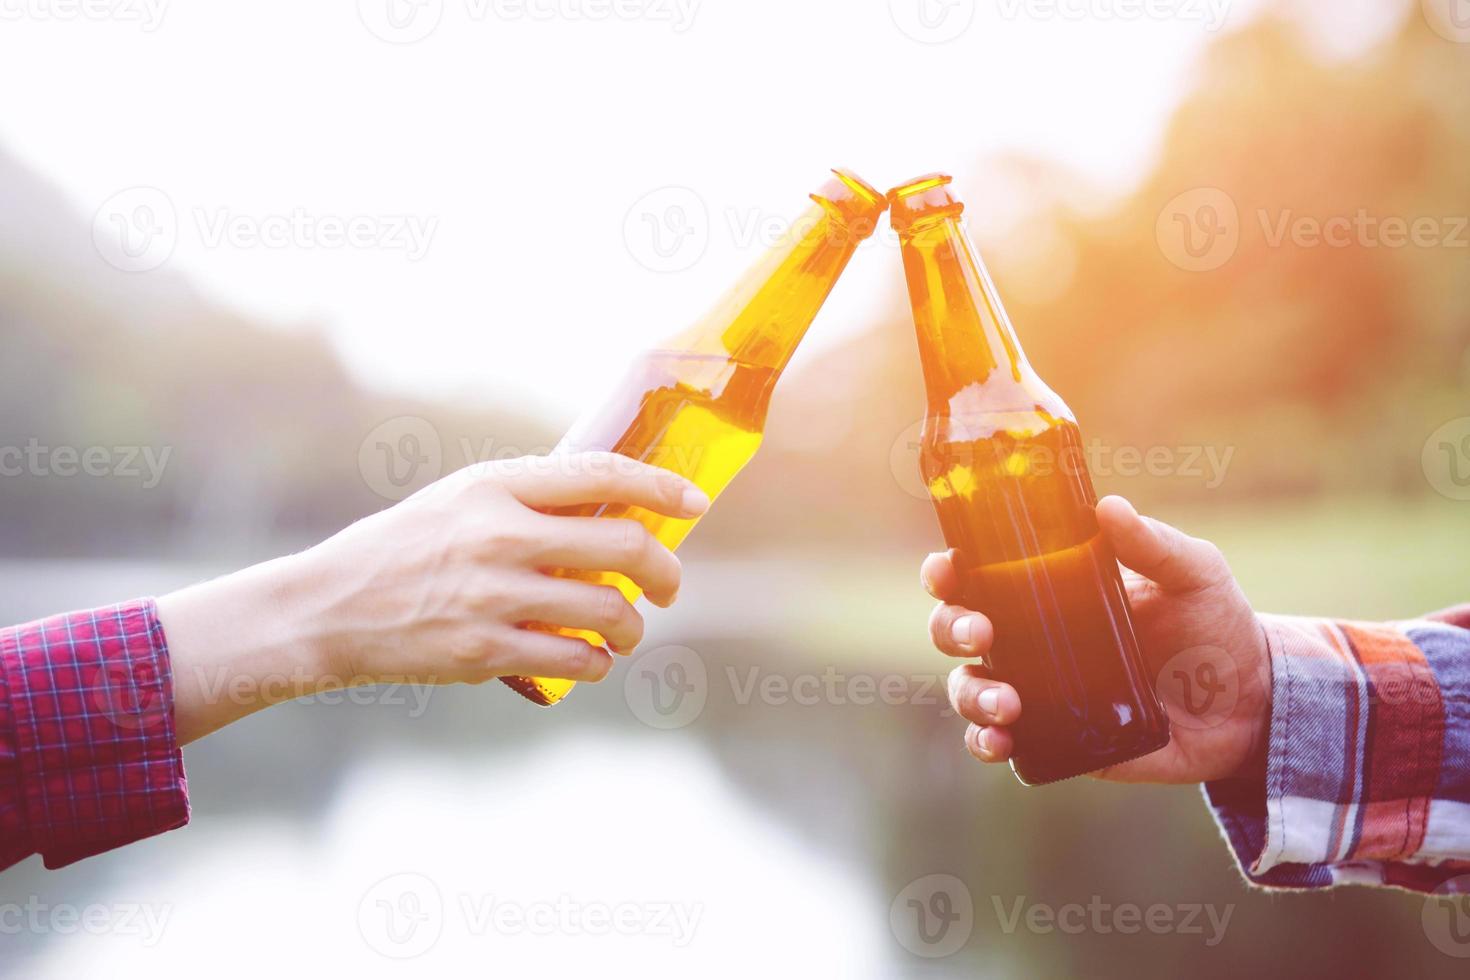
[[240, 643], [1256, 685], [292, 594]]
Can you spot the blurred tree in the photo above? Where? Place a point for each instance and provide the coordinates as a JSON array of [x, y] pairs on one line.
[[1322, 367]]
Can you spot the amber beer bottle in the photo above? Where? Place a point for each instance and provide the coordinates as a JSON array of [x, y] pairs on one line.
[[1003, 462], [697, 404]]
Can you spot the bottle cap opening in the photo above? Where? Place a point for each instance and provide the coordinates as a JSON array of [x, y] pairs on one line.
[[921, 200], [855, 202]]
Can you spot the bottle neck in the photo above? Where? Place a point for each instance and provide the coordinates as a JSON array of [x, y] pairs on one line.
[[760, 321], [965, 336]]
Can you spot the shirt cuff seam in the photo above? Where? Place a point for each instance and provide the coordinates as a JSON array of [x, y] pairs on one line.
[[132, 688]]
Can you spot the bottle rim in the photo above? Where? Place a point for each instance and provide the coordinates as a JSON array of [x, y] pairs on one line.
[[853, 201], [922, 201]]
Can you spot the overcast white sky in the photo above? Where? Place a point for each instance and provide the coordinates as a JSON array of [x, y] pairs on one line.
[[502, 161]]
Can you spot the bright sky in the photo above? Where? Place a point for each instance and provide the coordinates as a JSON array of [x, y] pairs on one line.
[[499, 166]]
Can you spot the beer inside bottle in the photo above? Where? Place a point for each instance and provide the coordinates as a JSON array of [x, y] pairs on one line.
[[1004, 465], [697, 404]]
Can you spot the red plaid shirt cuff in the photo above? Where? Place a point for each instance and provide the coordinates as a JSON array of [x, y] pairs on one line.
[[89, 759]]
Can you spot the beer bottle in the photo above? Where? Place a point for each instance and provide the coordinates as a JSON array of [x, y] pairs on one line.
[[697, 404], [1003, 461]]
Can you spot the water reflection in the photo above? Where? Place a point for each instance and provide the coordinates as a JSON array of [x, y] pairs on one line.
[[608, 856], [773, 832]]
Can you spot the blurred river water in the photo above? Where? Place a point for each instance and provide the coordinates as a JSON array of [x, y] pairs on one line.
[[776, 772]]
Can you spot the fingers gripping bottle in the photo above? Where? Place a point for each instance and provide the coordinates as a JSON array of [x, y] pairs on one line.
[[1003, 461], [697, 404]]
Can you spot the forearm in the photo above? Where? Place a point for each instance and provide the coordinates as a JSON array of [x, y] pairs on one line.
[[241, 643]]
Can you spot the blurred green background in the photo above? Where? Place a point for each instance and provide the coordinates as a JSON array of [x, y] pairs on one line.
[[1322, 371]]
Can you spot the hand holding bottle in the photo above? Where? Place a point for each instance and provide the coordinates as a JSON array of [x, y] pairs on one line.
[[445, 587], [1003, 460], [1183, 597], [697, 403]]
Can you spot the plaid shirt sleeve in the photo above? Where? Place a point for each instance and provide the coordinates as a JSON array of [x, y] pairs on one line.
[[1368, 766], [88, 756]]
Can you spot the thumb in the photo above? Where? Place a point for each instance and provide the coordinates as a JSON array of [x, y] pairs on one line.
[[1159, 552]]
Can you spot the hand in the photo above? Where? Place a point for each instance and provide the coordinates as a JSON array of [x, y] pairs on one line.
[[1183, 598], [437, 589]]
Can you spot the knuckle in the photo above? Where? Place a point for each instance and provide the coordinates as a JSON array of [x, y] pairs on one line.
[[633, 627], [600, 484], [954, 686], [479, 673], [466, 653], [474, 660], [507, 539], [939, 624], [586, 662], [612, 608], [1202, 559], [593, 664], [673, 571], [576, 660], [670, 487], [477, 600], [633, 541], [598, 666]]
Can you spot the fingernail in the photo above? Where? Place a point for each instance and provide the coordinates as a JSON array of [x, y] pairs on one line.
[[963, 630], [989, 700], [696, 501], [983, 740]]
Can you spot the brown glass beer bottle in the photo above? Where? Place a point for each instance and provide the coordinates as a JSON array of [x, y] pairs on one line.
[[1003, 462], [697, 404]]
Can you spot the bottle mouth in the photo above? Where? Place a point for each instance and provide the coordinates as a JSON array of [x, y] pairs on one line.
[[856, 203], [922, 201]]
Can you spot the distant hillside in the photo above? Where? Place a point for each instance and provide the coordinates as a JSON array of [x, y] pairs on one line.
[[1306, 368], [261, 428]]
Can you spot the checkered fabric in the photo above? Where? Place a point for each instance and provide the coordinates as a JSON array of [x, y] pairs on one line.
[[1368, 768], [88, 756]]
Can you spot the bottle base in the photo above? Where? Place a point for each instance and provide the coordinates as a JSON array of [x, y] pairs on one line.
[[1033, 774], [527, 688]]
